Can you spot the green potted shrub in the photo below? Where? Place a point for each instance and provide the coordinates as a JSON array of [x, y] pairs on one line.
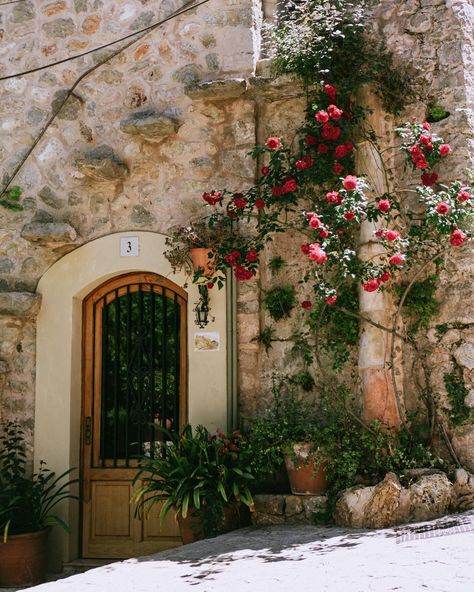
[[27, 503], [292, 430], [202, 478]]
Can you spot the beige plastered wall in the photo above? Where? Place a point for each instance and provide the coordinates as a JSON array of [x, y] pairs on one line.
[[59, 357]]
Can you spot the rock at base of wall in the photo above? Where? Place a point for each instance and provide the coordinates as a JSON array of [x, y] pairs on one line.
[[279, 509]]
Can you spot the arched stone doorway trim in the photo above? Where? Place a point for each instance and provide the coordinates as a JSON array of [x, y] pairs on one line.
[[59, 356]]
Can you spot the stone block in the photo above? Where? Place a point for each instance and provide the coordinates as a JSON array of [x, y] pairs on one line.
[[269, 504], [465, 355], [59, 28], [314, 504], [217, 90], [350, 507], [430, 497], [382, 509], [463, 443], [266, 519], [4, 368], [51, 234], [19, 304], [102, 164], [150, 125], [293, 505]]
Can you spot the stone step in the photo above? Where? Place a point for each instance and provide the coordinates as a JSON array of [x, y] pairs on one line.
[[287, 508]]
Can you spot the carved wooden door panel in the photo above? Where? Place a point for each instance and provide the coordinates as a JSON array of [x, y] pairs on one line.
[[134, 377]]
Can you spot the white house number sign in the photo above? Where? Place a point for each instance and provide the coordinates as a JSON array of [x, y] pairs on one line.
[[129, 246]]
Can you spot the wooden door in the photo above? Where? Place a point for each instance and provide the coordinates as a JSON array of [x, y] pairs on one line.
[[134, 381]]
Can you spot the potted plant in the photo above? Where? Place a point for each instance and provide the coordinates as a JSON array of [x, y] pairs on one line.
[[202, 478], [191, 247], [292, 431], [27, 502]]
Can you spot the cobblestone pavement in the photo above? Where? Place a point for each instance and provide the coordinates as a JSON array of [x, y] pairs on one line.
[[437, 556]]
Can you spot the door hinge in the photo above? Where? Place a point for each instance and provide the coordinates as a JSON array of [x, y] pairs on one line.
[[88, 431]]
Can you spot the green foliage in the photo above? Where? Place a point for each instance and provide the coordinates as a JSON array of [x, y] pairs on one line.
[[420, 303], [276, 263], [12, 201], [266, 336], [27, 501], [457, 392], [437, 113], [340, 331], [196, 471], [280, 302], [304, 380], [328, 41]]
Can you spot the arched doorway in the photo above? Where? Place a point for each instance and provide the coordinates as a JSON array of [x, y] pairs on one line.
[[134, 380]]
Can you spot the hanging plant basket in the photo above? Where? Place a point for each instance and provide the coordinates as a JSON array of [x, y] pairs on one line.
[[201, 260], [306, 474]]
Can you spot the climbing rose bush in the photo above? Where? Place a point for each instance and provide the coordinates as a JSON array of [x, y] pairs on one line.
[[315, 191]]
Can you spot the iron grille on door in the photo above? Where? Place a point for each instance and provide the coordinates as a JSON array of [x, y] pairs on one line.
[[140, 371]]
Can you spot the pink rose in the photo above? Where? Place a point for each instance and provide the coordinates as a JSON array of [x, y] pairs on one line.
[[443, 208], [333, 197], [424, 139], [426, 126], [334, 112], [330, 132], [371, 286], [457, 238], [397, 259], [384, 205], [385, 277], [317, 254], [392, 235], [330, 91], [445, 149], [349, 216], [273, 143], [330, 299], [323, 233], [314, 222], [350, 183], [322, 116], [212, 198], [463, 195]]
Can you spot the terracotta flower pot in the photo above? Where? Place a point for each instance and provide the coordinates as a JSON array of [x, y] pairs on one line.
[[23, 559], [191, 527], [304, 478], [201, 260]]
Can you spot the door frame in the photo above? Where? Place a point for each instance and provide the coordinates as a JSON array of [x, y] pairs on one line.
[[59, 358]]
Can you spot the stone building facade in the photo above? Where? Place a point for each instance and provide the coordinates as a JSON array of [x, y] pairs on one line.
[[129, 154]]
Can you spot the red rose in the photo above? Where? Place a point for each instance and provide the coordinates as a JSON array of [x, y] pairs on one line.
[[457, 238], [330, 299], [385, 277], [397, 259], [429, 179], [445, 149], [371, 286], [424, 139], [321, 116], [330, 91], [251, 256], [277, 191], [311, 140], [420, 162], [379, 233], [442, 207], [416, 151], [350, 183], [334, 112], [240, 203], [323, 233], [305, 163], [340, 151], [429, 147], [349, 216], [347, 115], [289, 186], [231, 214], [212, 198], [259, 203], [384, 205], [242, 274], [305, 249], [463, 195], [426, 126], [337, 168], [330, 132], [307, 305], [392, 235], [333, 197], [209, 285], [323, 149], [349, 147], [273, 143], [317, 254], [265, 170], [314, 222], [236, 254]]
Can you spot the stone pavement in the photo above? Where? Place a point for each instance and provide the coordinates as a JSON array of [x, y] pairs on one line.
[[437, 556]]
